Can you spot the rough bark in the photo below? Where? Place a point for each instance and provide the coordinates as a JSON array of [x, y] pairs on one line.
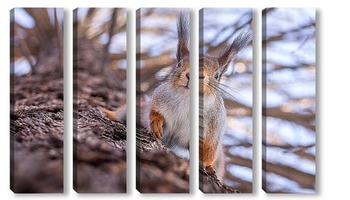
[[36, 131]]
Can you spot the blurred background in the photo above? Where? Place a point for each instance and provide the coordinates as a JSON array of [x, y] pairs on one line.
[[37, 34], [101, 43], [289, 100], [156, 50], [220, 27]]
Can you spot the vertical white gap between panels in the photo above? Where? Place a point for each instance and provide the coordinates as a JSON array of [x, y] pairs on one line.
[[131, 102], [257, 112], [194, 78], [68, 100]]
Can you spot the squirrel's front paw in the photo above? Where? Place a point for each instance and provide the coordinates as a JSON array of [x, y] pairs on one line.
[[156, 124], [109, 114], [210, 169]]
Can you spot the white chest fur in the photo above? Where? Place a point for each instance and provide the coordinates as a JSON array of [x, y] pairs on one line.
[[214, 117], [174, 106]]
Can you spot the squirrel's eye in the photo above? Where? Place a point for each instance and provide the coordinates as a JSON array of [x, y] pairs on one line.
[[178, 65], [216, 76]]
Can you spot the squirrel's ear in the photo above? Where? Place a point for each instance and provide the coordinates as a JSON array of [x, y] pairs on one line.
[[238, 43], [182, 34]]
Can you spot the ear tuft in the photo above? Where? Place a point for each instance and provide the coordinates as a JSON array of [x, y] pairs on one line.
[[182, 34], [238, 44]]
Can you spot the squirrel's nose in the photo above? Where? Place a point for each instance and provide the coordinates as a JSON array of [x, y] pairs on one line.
[[188, 75]]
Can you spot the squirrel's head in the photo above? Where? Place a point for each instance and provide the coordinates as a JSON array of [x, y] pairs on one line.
[[212, 68], [181, 70]]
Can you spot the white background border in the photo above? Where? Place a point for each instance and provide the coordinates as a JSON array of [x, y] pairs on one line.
[[333, 99]]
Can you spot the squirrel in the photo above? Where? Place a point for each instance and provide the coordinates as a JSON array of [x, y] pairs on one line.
[[167, 114]]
